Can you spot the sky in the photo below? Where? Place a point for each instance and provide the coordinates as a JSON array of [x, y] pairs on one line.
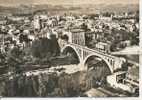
[[65, 2]]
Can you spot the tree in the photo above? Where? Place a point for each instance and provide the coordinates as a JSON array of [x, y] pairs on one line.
[[14, 59], [44, 48], [84, 27]]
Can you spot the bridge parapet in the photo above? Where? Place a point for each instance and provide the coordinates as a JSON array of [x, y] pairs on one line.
[[92, 51]]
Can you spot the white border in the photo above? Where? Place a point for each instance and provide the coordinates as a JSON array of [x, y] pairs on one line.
[[140, 66], [106, 98]]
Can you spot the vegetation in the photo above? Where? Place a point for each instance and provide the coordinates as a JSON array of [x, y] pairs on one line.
[[44, 48], [44, 85]]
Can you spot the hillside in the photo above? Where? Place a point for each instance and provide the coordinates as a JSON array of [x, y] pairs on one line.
[[117, 8]]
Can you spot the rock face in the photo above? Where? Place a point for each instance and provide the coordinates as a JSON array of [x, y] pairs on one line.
[[44, 85]]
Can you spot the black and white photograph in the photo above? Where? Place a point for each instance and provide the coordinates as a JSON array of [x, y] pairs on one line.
[[69, 48]]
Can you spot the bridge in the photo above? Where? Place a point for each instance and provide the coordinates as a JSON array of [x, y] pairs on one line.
[[84, 53]]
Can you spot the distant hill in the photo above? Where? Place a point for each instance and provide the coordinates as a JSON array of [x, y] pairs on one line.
[[117, 8]]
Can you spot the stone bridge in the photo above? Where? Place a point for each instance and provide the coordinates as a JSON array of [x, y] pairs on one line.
[[83, 53]]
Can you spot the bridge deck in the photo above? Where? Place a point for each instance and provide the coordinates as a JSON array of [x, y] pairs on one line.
[[92, 50]]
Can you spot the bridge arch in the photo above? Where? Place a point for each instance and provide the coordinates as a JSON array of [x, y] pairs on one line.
[[69, 47], [100, 57]]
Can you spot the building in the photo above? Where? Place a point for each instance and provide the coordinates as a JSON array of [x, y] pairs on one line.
[[77, 36], [3, 22], [105, 18], [105, 47], [118, 80], [36, 22]]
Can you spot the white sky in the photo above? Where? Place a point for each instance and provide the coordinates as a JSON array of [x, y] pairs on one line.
[[63, 2]]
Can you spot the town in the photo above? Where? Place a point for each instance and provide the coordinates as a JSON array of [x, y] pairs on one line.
[[69, 54]]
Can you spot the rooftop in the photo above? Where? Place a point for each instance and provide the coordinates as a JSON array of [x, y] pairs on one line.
[[76, 30]]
